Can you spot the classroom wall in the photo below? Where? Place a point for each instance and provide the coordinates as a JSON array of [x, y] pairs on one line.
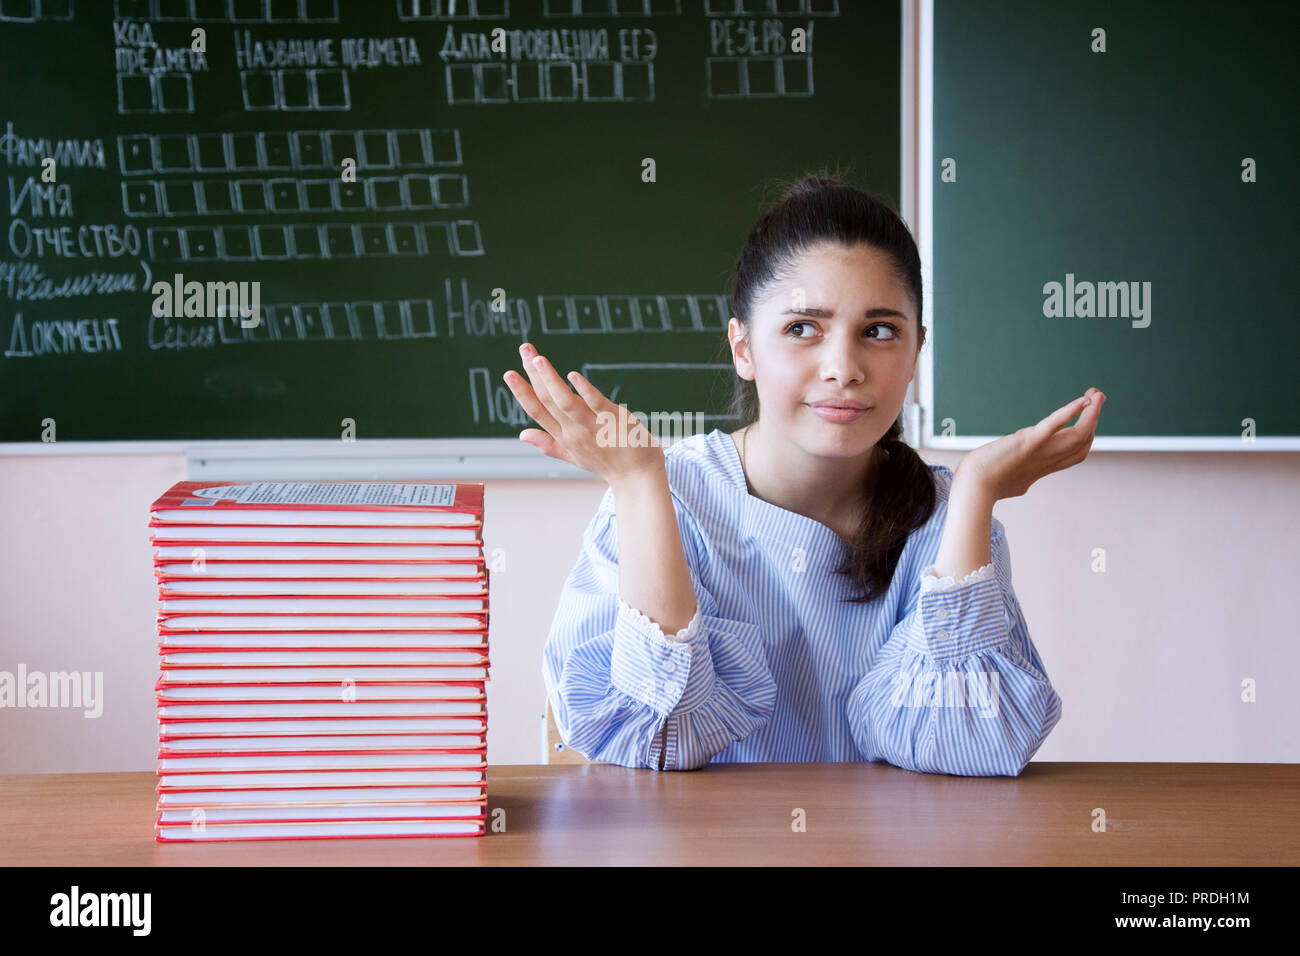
[[1199, 593]]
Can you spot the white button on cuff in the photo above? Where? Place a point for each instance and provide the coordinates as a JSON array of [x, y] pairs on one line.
[[942, 636], [670, 667], [941, 614]]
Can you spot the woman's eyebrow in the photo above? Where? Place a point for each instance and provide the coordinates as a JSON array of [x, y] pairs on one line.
[[877, 312]]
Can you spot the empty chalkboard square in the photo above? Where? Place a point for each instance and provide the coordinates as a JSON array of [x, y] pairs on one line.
[[216, 196], [275, 150], [343, 146], [406, 239], [295, 92], [410, 147], [124, 8], [722, 77], [527, 78], [209, 151], [236, 242], [201, 241], [587, 314], [283, 11], [622, 315], [501, 8], [388, 320], [461, 84], [561, 82], [174, 154], [469, 242], [167, 10], [136, 153], [243, 151], [284, 322], [492, 83], [306, 242], [419, 191], [339, 320], [651, 314], [272, 243], [760, 75], [385, 193], [178, 198], [638, 81], [339, 241], [318, 195], [284, 195], [437, 240], [259, 89], [311, 319], [175, 94], [419, 317], [249, 11], [320, 10], [445, 144], [261, 330], [796, 75], [209, 9], [598, 81], [310, 148], [555, 314], [375, 149], [375, 240], [134, 94], [140, 198], [713, 312], [329, 89], [56, 9], [165, 244], [452, 190], [251, 194], [350, 195], [680, 313]]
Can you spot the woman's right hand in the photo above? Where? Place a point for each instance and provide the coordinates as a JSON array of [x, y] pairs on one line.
[[587, 430]]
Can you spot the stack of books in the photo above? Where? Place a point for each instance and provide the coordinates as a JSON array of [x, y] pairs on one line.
[[324, 650]]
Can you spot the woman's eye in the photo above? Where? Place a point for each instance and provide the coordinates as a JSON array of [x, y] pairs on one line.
[[894, 330]]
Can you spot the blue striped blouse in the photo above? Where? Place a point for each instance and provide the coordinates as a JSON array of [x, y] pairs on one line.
[[935, 675]]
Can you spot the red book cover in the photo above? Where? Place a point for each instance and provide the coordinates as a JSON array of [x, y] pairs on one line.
[[431, 497]]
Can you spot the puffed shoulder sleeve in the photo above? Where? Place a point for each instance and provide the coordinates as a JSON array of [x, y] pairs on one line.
[[624, 692], [959, 686]]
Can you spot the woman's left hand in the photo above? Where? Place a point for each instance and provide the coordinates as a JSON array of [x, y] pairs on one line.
[[1007, 467]]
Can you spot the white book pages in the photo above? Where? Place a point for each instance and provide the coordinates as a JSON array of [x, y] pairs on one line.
[[319, 762], [217, 587], [233, 729], [336, 708], [301, 812], [335, 675], [316, 569], [323, 639], [281, 744], [322, 796], [319, 553], [324, 622], [337, 778], [293, 535], [306, 692], [317, 605], [299, 516], [307, 831], [336, 658]]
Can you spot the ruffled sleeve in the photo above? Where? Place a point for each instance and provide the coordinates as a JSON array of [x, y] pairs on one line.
[[624, 692]]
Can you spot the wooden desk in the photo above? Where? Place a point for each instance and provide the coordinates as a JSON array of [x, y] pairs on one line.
[[1161, 814]]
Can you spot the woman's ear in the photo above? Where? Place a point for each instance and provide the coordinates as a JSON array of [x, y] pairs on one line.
[[740, 357]]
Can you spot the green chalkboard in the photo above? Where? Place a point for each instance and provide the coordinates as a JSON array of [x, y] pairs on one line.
[[1161, 165], [484, 175]]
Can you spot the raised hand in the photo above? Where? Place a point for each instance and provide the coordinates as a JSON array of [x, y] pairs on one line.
[[587, 430], [1007, 467]]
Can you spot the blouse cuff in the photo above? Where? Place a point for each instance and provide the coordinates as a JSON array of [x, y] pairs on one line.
[[643, 622], [959, 618], [664, 672], [930, 580]]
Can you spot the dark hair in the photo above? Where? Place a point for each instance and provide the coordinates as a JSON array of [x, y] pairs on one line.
[[814, 209]]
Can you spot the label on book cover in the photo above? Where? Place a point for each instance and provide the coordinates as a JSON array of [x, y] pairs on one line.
[[332, 493]]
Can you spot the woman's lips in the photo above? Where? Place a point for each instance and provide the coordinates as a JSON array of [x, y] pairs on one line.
[[840, 416]]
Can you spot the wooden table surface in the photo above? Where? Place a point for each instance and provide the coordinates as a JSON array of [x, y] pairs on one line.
[[1157, 814]]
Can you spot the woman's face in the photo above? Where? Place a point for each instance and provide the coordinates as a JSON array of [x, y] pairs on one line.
[[842, 329]]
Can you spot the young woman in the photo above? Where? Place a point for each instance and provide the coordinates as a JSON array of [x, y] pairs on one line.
[[805, 588]]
